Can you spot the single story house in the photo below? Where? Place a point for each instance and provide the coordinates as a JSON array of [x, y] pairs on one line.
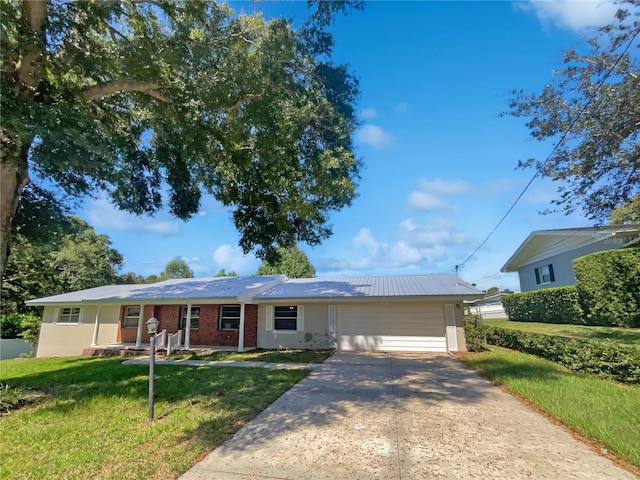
[[396, 313], [545, 258]]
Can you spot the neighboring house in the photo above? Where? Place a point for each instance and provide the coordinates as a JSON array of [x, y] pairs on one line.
[[488, 307], [545, 258], [401, 313]]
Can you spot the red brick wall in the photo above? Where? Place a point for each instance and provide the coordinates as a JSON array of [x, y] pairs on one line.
[[206, 334], [128, 335]]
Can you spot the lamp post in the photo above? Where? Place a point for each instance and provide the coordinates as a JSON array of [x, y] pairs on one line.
[[152, 328]]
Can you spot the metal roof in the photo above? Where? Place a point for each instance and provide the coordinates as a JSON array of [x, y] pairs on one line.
[[246, 289], [390, 286], [183, 288], [542, 244]]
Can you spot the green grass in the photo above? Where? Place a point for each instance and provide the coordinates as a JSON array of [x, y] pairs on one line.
[[601, 410], [627, 336], [275, 356], [90, 419]]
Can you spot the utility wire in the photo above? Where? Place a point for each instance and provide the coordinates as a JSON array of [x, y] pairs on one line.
[[555, 148]]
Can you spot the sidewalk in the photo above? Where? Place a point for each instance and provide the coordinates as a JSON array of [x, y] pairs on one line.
[[224, 363]]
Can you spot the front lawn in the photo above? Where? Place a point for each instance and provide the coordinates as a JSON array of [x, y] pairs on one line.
[[627, 336], [90, 416], [600, 410], [259, 355]]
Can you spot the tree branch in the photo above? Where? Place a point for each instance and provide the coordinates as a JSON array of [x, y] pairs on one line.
[[29, 72], [116, 86]]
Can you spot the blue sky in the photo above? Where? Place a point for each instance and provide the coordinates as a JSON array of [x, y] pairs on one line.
[[439, 161]]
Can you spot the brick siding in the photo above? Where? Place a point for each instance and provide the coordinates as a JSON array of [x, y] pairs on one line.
[[207, 333]]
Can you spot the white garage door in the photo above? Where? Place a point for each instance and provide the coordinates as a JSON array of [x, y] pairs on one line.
[[392, 327]]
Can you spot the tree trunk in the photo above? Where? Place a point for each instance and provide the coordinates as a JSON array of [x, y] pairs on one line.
[[14, 176]]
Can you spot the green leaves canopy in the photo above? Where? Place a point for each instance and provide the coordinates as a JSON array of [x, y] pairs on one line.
[[598, 163], [145, 99], [291, 262]]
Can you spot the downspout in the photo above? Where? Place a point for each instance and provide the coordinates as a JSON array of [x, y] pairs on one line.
[[241, 330], [96, 327]]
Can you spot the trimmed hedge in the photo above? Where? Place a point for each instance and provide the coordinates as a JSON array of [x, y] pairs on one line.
[[550, 305], [598, 357], [474, 333], [608, 285]]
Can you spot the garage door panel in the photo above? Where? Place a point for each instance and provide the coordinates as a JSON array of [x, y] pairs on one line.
[[393, 327], [392, 343]]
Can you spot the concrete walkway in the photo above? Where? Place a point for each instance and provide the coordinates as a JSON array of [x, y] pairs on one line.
[[377, 416]]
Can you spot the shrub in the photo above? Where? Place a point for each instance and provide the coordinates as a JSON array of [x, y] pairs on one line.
[[10, 325], [549, 305], [10, 398], [598, 357], [609, 287], [474, 333], [30, 327]]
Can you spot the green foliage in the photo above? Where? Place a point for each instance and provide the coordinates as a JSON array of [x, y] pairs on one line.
[[152, 279], [291, 262], [609, 286], [474, 333], [596, 163], [138, 98], [74, 259], [11, 398], [491, 291], [10, 325], [626, 213], [602, 358], [30, 324], [129, 278], [176, 268], [549, 305], [222, 273]]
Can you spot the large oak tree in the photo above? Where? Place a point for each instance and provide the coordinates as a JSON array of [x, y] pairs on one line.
[[595, 100], [163, 100]]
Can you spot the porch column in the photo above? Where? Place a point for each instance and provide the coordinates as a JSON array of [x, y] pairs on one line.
[[187, 334], [241, 330], [96, 327], [140, 325]]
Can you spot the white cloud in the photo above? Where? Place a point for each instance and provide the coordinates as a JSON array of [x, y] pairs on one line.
[[428, 197], [572, 14], [373, 136], [368, 113], [431, 246], [231, 257], [401, 107], [426, 201], [444, 187], [103, 215]]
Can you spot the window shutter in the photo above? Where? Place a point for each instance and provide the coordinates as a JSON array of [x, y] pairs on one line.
[[551, 275], [269, 319], [300, 319], [537, 276]]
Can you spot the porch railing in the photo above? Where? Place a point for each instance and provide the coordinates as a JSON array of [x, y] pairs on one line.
[[161, 340], [174, 341]]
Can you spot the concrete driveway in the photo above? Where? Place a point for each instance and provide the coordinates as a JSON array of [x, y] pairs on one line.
[[379, 416]]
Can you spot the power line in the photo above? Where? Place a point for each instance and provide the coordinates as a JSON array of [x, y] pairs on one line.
[[562, 139]]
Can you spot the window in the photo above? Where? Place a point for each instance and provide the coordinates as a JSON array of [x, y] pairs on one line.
[[285, 318], [229, 317], [131, 316], [545, 275], [195, 318], [69, 315]]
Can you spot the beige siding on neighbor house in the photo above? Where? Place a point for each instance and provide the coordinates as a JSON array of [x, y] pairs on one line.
[[316, 324], [61, 340]]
